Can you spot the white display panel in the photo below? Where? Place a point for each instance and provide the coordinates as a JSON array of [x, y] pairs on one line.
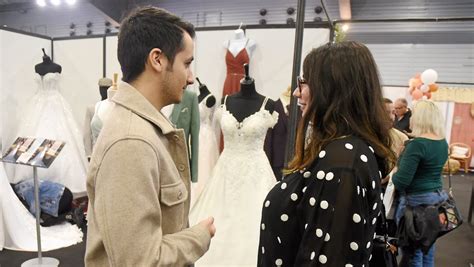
[[19, 54], [82, 61], [112, 63]]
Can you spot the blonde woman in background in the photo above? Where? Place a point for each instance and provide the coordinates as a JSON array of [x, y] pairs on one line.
[[418, 177]]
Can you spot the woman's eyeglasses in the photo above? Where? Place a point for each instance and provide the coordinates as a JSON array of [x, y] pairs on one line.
[[300, 80]]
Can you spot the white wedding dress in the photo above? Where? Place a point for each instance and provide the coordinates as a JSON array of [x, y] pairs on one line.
[[18, 225], [235, 192], [49, 116], [208, 149]]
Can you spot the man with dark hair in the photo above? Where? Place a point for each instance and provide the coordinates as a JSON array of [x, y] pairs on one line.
[[139, 179], [402, 115]]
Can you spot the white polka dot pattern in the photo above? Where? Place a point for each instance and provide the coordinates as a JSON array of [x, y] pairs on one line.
[[267, 203], [329, 176], [317, 191], [323, 259], [327, 237], [294, 197], [320, 175], [354, 246], [322, 154], [319, 232], [324, 204], [356, 218]]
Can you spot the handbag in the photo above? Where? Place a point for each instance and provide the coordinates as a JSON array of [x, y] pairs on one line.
[[450, 210], [384, 251]]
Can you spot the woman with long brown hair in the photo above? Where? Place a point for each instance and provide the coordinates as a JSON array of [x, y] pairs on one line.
[[325, 209]]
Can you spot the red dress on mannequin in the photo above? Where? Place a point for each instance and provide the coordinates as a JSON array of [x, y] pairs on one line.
[[235, 70]]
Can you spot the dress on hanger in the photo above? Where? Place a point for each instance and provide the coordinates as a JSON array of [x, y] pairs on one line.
[[236, 189], [208, 149], [235, 69], [48, 115], [18, 225]]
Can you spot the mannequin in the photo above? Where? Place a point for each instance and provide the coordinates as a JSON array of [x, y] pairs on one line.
[[104, 84], [102, 108], [239, 49], [203, 93], [246, 102], [47, 66], [240, 42]]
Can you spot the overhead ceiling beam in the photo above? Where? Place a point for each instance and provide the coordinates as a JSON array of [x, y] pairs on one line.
[[112, 9], [25, 6], [345, 9]]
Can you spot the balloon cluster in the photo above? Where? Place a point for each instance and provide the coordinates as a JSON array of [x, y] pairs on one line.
[[422, 85]]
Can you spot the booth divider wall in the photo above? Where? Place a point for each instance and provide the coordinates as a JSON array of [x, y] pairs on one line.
[[82, 62]]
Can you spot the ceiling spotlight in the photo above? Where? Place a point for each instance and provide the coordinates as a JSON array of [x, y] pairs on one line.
[[41, 3], [70, 2], [345, 27], [55, 2]]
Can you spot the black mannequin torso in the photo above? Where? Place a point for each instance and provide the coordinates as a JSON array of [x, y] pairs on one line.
[[247, 101], [203, 93], [47, 66]]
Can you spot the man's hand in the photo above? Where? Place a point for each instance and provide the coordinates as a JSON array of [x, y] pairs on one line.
[[209, 225]]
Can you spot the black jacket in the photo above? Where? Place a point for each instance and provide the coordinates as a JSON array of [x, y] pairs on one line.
[[419, 227]]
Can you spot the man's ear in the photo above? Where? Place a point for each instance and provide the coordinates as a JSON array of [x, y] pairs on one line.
[[156, 59]]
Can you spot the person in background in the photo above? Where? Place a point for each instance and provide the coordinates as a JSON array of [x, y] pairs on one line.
[[398, 138], [324, 211], [418, 177], [402, 116]]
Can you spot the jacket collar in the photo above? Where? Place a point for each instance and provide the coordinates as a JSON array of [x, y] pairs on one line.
[[128, 97]]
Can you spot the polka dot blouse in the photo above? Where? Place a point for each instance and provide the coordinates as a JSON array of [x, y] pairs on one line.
[[325, 215]]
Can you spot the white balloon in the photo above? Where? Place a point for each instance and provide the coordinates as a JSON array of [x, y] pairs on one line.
[[429, 76], [424, 88]]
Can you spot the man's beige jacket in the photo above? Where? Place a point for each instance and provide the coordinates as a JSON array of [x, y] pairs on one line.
[[138, 185]]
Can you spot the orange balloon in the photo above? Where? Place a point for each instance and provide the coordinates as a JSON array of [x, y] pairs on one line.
[[433, 87], [428, 95], [417, 94]]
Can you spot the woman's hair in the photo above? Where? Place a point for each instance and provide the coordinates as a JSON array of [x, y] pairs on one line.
[[427, 118], [346, 99]]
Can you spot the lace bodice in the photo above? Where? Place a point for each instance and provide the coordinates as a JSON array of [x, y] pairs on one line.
[[248, 135], [48, 82]]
